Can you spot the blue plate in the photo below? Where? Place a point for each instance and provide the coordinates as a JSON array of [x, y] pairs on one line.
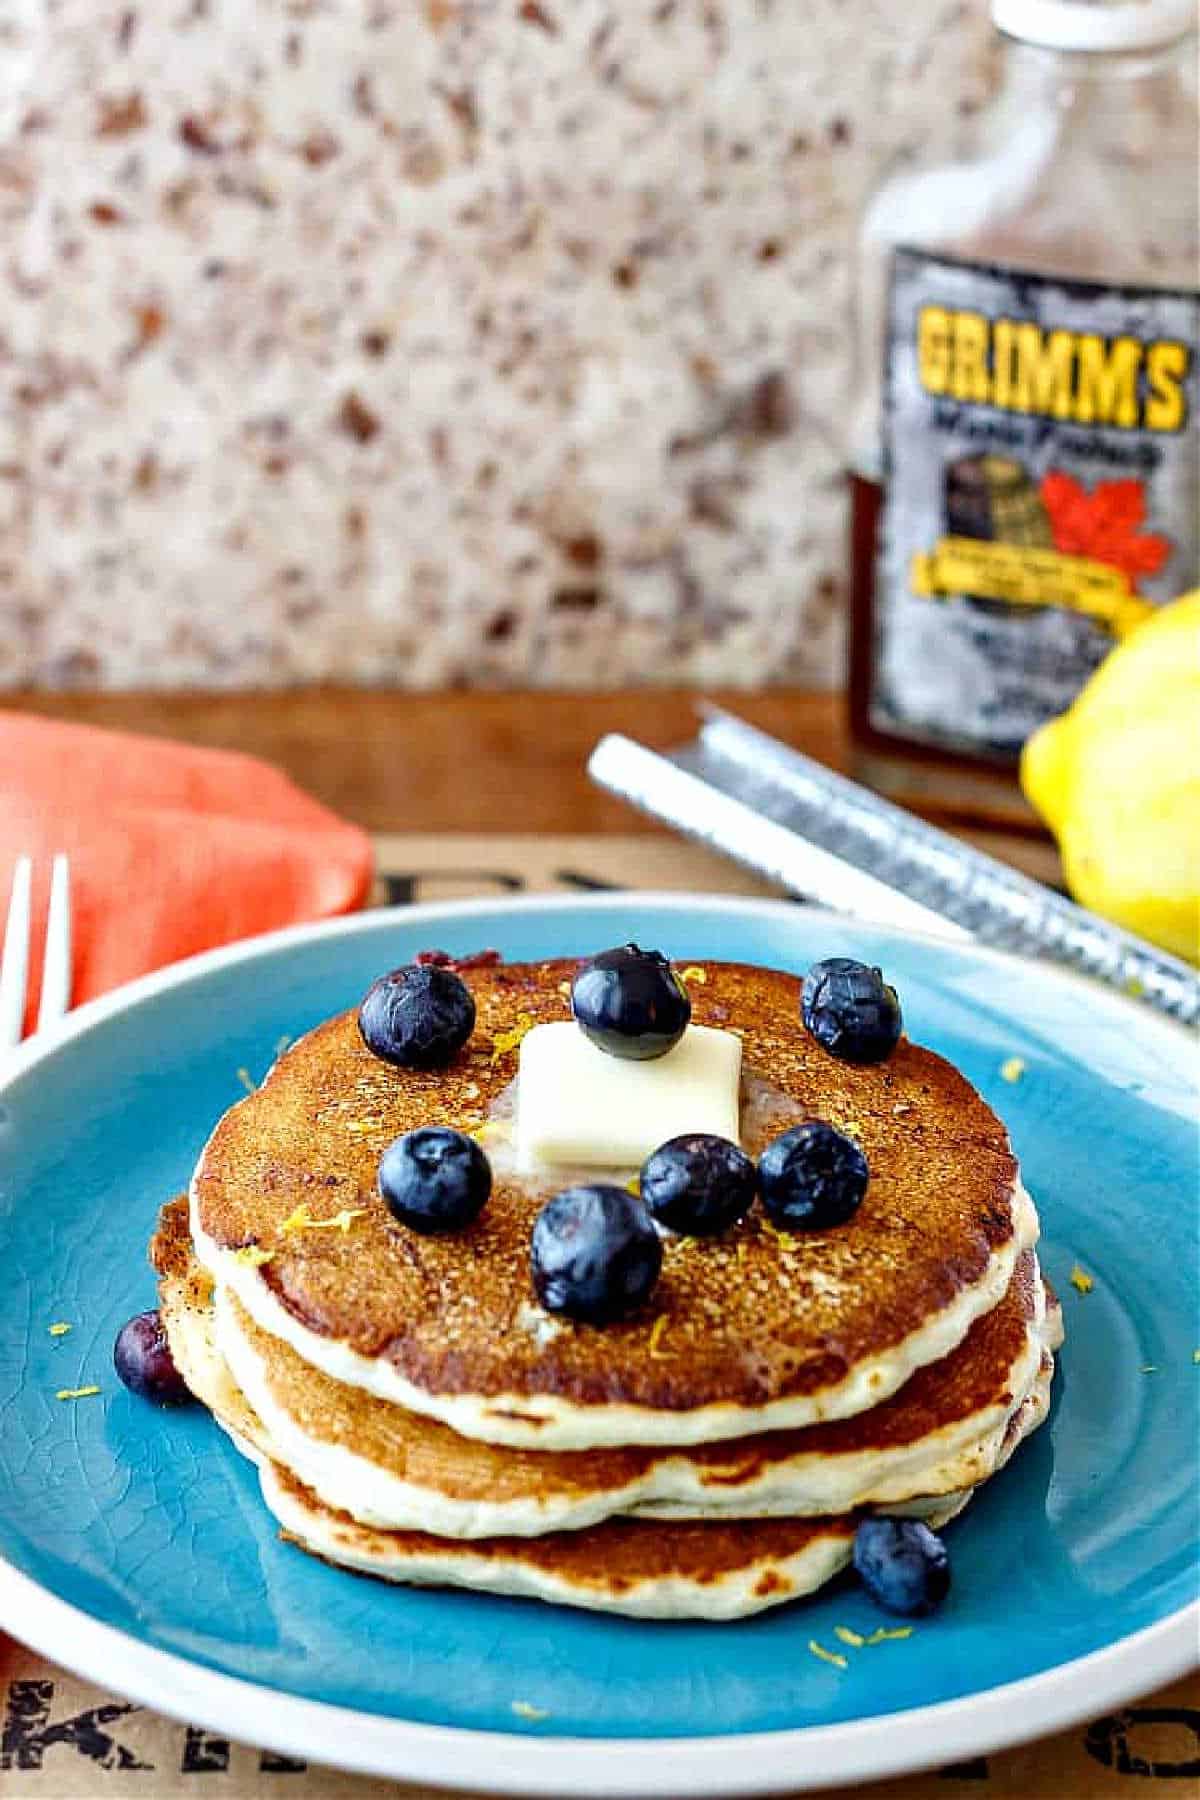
[[138, 1552]]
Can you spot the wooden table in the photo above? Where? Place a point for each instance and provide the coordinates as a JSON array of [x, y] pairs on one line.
[[484, 762], [446, 762]]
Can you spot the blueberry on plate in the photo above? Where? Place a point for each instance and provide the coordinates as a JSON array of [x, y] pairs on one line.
[[435, 1179], [850, 1010], [142, 1358], [595, 1254], [699, 1184], [631, 1003], [812, 1177], [417, 1017], [903, 1565]]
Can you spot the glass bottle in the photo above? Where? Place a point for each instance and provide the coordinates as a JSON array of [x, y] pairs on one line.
[[1023, 445]]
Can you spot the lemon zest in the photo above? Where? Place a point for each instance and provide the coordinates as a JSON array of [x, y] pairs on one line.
[[505, 1041], [252, 1256], [247, 1080], [1135, 988], [79, 1393], [853, 1638], [281, 1045], [695, 973], [524, 1710], [1196, 1356], [1149, 1368], [883, 1636], [829, 1656], [301, 1220], [1082, 1280], [60, 1328], [1013, 1069], [656, 1336], [634, 1186]]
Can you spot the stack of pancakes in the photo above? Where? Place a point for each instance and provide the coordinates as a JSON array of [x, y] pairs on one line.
[[415, 1414]]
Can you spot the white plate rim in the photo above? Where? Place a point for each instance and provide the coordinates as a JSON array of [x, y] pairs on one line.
[[795, 1760], [379, 918], [788, 1761]]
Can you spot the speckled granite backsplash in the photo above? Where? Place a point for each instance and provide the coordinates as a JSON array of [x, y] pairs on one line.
[[426, 341]]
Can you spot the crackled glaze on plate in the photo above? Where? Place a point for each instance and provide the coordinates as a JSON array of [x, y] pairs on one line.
[[137, 1548]]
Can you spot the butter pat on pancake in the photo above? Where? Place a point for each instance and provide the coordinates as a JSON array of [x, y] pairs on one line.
[[576, 1105]]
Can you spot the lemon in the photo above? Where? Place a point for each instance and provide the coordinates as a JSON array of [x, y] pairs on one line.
[[1117, 780]]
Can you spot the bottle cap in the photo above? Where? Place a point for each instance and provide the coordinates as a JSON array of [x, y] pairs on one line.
[[1095, 24]]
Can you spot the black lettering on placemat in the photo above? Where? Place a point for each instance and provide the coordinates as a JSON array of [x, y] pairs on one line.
[[589, 884], [1111, 1741], [403, 887], [271, 1763], [27, 1732], [202, 1752]]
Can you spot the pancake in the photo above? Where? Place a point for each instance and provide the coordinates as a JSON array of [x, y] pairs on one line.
[[640, 1567], [395, 1469], [743, 1334], [392, 1469], [643, 1569], [648, 1569]]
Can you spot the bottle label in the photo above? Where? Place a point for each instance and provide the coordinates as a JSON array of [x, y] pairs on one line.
[[1040, 470]]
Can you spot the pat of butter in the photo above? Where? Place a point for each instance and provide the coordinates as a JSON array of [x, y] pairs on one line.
[[575, 1105]]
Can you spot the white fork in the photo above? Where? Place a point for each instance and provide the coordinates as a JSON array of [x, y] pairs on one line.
[[56, 961]]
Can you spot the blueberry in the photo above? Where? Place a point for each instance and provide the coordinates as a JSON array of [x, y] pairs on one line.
[[903, 1565], [699, 1184], [435, 1179], [142, 1358], [851, 1010], [417, 1017], [812, 1177], [595, 1254], [631, 1003]]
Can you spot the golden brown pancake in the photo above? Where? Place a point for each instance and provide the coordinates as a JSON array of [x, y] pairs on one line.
[[643, 1568], [393, 1468], [740, 1330]]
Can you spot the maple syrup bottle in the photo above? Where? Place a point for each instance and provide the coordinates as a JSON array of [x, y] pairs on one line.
[[1024, 449]]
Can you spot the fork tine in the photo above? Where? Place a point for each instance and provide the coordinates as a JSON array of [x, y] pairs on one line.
[[14, 962], [56, 969]]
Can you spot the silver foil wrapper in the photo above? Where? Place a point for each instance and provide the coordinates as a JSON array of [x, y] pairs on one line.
[[820, 835]]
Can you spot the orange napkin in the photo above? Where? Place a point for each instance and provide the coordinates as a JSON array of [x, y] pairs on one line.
[[172, 849]]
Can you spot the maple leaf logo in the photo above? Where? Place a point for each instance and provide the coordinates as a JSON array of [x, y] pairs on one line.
[[1104, 524]]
